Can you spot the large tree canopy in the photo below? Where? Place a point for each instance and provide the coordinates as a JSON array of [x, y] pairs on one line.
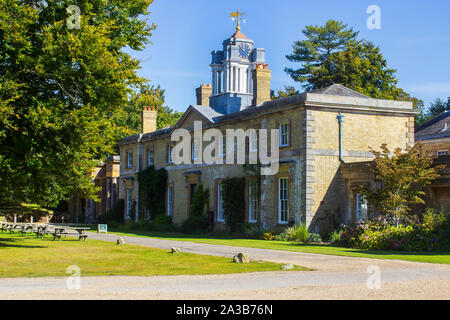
[[315, 50], [63, 92], [360, 67], [333, 54]]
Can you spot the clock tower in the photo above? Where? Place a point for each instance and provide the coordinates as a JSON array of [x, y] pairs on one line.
[[232, 83]]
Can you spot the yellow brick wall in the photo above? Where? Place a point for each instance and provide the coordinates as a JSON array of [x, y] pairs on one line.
[[210, 174], [431, 147], [360, 131]]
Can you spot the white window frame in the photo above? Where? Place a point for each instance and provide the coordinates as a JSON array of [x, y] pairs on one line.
[[170, 201], [252, 203], [169, 154], [283, 200], [195, 150], [149, 157], [360, 212], [253, 141], [284, 133], [222, 146], [128, 203], [442, 153], [220, 216], [129, 160]]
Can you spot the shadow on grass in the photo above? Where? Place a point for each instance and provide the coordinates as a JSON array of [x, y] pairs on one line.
[[13, 243], [176, 235]]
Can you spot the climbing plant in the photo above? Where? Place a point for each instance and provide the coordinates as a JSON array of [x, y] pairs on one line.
[[253, 174], [153, 185], [196, 223], [233, 197], [200, 202]]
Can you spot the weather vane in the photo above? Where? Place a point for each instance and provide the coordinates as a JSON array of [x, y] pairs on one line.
[[237, 15]]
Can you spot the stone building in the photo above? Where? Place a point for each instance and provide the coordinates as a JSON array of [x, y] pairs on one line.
[[433, 136], [319, 131], [105, 176]]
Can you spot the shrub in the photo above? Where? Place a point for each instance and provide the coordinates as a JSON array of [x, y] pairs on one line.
[[269, 236], [297, 233], [281, 237], [162, 223], [335, 236], [115, 214], [140, 225], [112, 224], [253, 230], [431, 234], [349, 237], [314, 237], [195, 224]]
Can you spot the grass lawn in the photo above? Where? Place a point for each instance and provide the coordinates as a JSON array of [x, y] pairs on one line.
[[20, 257], [418, 256]]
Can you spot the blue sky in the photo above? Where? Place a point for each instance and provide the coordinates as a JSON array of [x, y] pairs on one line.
[[414, 38]]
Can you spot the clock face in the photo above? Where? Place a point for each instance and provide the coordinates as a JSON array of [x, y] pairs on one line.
[[244, 51]]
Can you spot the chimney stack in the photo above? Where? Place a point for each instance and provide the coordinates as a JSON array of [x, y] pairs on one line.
[[149, 116], [203, 93], [261, 84]]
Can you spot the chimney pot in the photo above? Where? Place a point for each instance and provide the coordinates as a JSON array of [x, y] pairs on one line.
[[149, 116], [261, 84], [203, 93]]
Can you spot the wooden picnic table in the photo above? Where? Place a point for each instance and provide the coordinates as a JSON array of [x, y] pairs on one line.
[[60, 231], [81, 233]]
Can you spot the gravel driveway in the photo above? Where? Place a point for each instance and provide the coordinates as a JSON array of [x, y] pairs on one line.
[[335, 278]]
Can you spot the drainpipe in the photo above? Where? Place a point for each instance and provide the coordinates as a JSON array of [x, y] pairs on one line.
[[340, 118], [138, 169]]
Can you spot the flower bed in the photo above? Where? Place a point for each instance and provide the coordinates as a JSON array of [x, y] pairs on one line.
[[432, 234]]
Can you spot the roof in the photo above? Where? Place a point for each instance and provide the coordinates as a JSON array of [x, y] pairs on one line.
[[209, 113], [239, 35], [339, 90], [436, 128], [335, 95]]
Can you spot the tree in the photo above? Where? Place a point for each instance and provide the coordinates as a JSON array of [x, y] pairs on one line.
[[360, 67], [320, 43], [403, 177], [62, 92], [332, 54], [283, 93], [438, 106], [422, 116]]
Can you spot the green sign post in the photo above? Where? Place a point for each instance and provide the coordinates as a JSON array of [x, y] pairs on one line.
[[102, 228]]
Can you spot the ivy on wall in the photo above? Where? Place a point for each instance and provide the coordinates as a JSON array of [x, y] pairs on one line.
[[152, 186], [233, 197], [200, 202], [196, 223]]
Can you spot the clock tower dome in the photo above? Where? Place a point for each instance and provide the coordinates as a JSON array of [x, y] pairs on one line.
[[232, 83]]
